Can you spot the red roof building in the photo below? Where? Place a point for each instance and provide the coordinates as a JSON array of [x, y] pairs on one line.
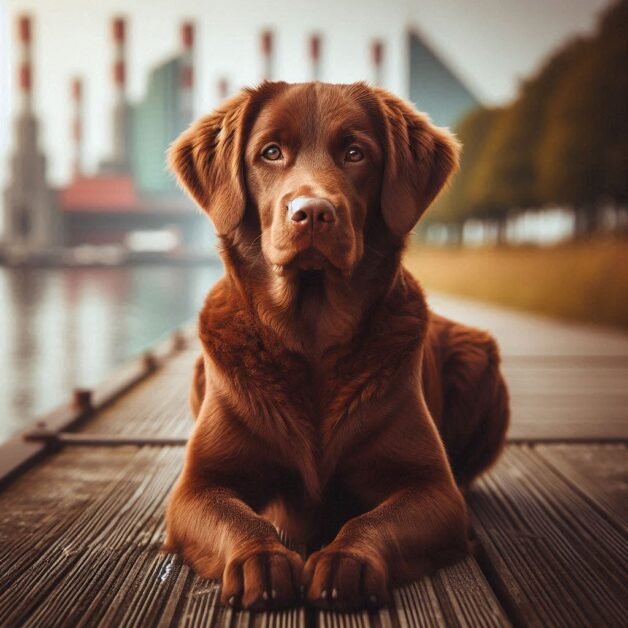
[[103, 193]]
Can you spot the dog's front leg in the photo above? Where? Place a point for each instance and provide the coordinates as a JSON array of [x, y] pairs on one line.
[[219, 534], [212, 520], [399, 540], [414, 515]]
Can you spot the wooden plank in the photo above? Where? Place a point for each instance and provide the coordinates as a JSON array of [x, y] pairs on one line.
[[149, 592], [565, 425], [104, 567], [289, 618], [572, 360], [564, 379], [17, 454], [63, 579], [80, 534], [64, 439], [201, 606], [600, 472], [129, 583], [466, 597], [39, 505], [553, 558], [417, 605], [523, 334], [157, 407], [458, 595], [568, 402]]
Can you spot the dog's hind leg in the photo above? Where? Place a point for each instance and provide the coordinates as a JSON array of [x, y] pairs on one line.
[[475, 402]]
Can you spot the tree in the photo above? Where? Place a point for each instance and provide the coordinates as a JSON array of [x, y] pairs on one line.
[[453, 205], [564, 140], [583, 158], [507, 178]]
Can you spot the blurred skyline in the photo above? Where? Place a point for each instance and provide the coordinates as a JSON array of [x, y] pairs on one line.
[[490, 49]]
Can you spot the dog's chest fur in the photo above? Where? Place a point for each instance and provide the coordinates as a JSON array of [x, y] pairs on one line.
[[313, 415]]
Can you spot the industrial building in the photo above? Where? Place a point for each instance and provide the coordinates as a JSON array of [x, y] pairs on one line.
[[132, 194], [132, 191]]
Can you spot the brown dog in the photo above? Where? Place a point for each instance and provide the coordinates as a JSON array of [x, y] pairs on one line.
[[330, 402]]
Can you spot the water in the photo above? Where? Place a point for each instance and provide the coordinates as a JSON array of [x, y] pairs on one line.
[[67, 328]]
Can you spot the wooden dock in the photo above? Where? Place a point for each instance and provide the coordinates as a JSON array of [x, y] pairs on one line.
[[82, 501]]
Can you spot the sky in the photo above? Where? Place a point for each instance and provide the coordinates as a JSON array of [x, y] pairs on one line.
[[490, 44]]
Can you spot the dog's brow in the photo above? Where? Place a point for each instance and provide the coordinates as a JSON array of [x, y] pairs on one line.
[[352, 135], [267, 134]]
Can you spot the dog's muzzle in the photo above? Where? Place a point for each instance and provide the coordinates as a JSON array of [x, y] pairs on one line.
[[312, 213]]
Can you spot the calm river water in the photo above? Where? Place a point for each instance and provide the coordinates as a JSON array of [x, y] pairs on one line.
[[64, 328]]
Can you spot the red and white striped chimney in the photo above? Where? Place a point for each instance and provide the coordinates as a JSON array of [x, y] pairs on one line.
[[315, 56], [186, 77], [377, 52], [25, 72], [119, 58], [76, 89], [267, 54], [120, 158]]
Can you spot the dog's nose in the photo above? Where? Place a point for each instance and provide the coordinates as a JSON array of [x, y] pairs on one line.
[[309, 210]]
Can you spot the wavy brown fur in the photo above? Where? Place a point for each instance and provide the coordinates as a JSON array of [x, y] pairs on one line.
[[329, 401]]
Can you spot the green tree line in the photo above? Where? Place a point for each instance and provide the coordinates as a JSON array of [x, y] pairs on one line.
[[563, 141]]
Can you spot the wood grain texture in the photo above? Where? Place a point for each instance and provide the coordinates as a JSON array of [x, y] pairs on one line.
[[553, 557], [97, 517], [80, 531], [599, 472], [109, 531], [157, 406]]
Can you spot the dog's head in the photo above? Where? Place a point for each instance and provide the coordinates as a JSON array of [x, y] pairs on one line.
[[313, 168]]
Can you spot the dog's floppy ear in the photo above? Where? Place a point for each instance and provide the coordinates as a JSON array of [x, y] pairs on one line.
[[207, 162], [419, 159]]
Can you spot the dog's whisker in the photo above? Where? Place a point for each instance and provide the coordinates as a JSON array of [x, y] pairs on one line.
[[374, 250]]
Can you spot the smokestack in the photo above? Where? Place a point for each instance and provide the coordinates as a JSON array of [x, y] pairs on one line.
[[315, 56], [76, 88], [29, 212], [187, 73], [377, 50], [267, 54], [119, 60], [120, 160], [25, 73]]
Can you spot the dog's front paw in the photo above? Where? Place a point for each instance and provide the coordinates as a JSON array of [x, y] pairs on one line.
[[345, 578], [263, 578]]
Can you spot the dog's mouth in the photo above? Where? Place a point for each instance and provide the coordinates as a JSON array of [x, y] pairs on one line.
[[310, 260], [311, 279]]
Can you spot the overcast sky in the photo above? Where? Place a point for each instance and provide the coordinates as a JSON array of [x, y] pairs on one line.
[[491, 44]]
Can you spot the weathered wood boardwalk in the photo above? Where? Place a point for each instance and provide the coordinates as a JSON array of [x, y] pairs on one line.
[[80, 529]]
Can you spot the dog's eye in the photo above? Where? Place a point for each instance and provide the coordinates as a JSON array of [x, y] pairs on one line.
[[272, 153], [354, 154]]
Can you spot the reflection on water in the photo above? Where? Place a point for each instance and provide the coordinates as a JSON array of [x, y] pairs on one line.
[[64, 328]]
